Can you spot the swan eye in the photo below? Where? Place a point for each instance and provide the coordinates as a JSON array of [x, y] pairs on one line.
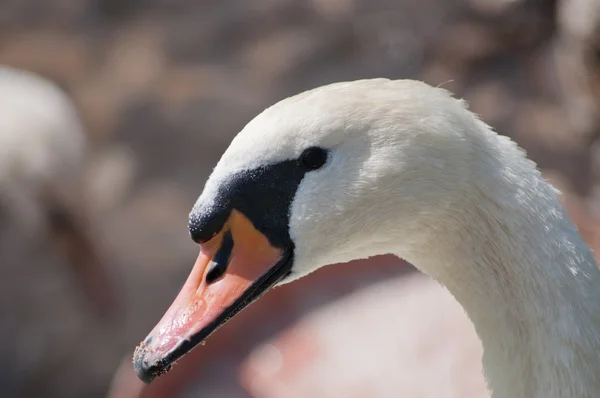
[[313, 158]]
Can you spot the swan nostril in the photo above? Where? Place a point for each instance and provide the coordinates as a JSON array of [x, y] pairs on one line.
[[219, 264]]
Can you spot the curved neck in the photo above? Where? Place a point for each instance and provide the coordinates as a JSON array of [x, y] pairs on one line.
[[529, 284]]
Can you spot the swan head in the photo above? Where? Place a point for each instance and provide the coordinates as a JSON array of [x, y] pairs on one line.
[[338, 173]]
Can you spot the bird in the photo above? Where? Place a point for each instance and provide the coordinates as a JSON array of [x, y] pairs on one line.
[[356, 169], [43, 152]]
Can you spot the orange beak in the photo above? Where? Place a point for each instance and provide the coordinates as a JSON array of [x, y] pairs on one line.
[[233, 269]]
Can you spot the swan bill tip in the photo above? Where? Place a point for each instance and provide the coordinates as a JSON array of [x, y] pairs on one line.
[[145, 370]]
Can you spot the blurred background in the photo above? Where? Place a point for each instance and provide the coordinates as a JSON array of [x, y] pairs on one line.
[[162, 86]]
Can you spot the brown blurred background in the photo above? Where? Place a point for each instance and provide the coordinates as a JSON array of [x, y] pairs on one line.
[[163, 86]]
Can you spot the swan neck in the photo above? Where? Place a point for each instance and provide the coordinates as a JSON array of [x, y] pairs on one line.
[[531, 287]]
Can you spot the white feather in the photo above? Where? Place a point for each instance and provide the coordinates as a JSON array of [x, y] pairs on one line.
[[414, 173], [42, 145]]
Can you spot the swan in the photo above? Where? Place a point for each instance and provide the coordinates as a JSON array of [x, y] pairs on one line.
[[357, 169], [42, 158]]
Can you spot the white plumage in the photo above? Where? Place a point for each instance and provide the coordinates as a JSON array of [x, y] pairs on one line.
[[414, 173], [42, 166], [42, 144]]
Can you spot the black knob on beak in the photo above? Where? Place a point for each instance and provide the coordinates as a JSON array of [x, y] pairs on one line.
[[203, 226]]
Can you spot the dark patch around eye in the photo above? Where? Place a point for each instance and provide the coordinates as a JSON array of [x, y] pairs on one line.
[[264, 195]]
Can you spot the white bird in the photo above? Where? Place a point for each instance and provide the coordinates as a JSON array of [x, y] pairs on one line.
[[356, 169], [42, 163]]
